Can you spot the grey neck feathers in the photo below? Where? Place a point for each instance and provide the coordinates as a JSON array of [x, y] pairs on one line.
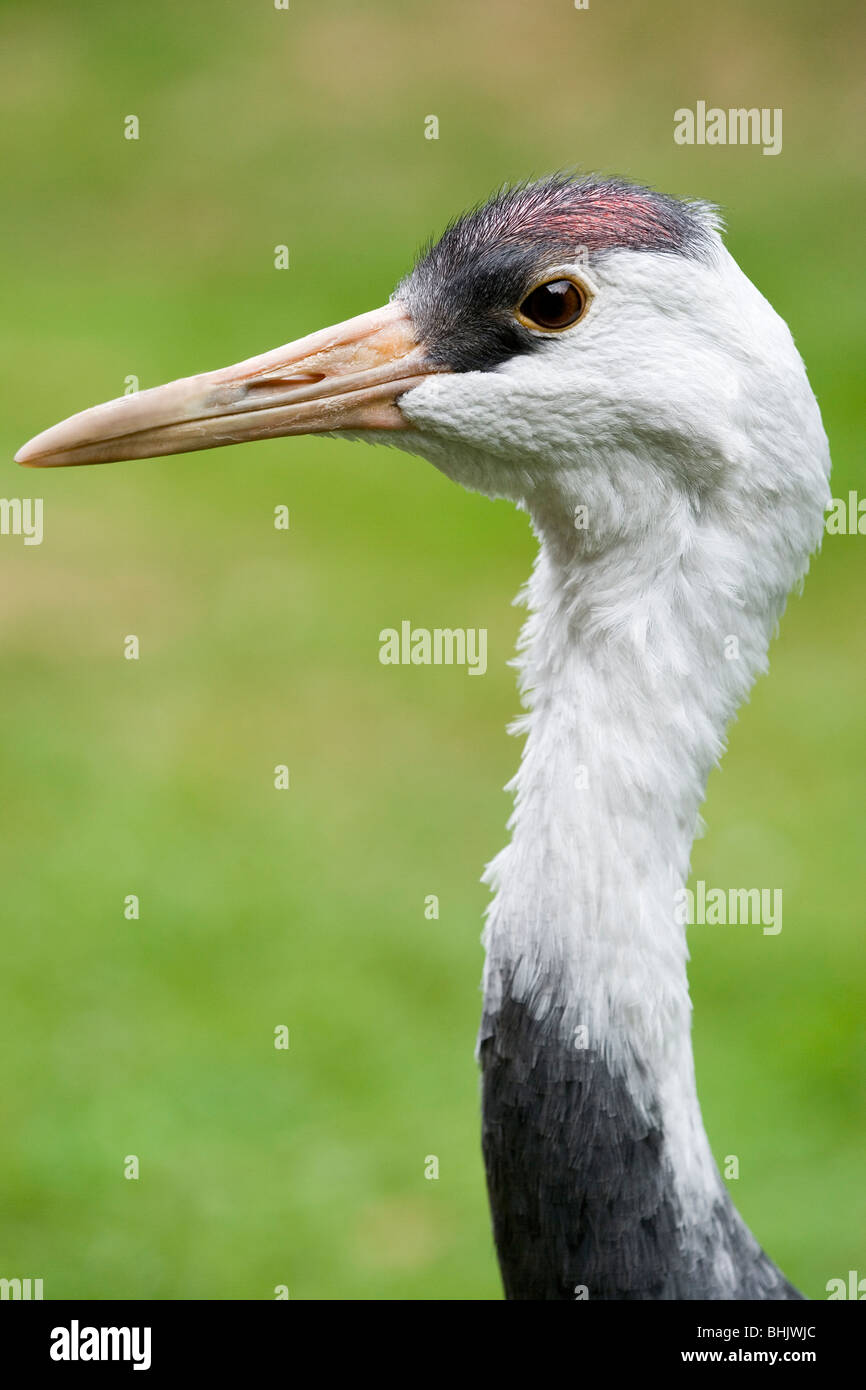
[[601, 1179]]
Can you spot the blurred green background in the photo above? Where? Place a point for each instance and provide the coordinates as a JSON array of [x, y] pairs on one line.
[[155, 258]]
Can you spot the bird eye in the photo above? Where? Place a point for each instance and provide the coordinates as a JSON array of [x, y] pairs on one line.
[[557, 304]]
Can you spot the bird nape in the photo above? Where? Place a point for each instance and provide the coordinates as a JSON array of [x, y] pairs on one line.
[[590, 350]]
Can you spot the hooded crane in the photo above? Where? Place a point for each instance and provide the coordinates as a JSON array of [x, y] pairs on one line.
[[589, 349]]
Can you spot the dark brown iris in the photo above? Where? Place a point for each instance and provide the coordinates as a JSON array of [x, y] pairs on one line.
[[555, 305]]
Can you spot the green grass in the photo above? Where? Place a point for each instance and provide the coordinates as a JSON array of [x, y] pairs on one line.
[[259, 908]]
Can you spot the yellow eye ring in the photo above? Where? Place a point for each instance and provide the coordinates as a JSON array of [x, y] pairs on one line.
[[553, 305]]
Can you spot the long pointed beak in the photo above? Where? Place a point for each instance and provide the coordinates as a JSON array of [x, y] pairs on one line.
[[348, 377]]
